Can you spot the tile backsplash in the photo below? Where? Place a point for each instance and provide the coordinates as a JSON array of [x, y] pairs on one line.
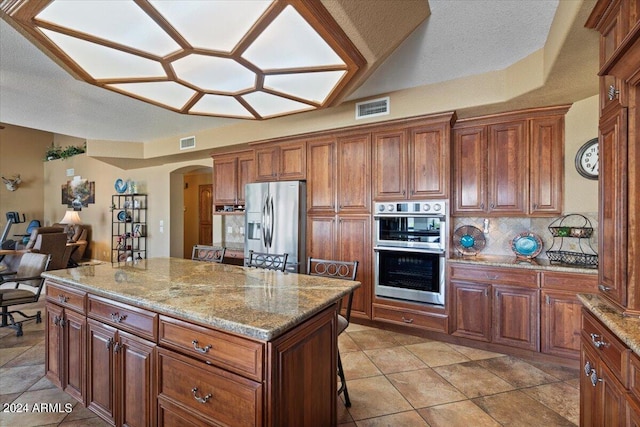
[[502, 231]]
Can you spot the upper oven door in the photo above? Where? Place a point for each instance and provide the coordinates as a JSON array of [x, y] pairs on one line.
[[411, 231]]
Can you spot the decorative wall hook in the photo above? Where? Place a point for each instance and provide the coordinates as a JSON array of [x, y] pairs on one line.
[[13, 183]]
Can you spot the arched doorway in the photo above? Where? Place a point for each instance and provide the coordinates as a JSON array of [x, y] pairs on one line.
[[186, 184]]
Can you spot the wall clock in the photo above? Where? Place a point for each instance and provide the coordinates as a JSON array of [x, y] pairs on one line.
[[587, 159]]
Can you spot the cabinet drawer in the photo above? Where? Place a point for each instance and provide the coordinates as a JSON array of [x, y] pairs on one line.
[[236, 354], [400, 316], [66, 297], [221, 396], [125, 317], [580, 282], [502, 276], [613, 352]]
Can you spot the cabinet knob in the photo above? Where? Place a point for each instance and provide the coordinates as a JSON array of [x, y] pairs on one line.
[[587, 368], [594, 378], [198, 398]]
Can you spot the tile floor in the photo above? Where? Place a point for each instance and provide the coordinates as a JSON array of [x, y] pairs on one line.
[[394, 380]]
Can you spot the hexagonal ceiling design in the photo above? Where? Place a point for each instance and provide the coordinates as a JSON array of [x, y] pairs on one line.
[[253, 59]]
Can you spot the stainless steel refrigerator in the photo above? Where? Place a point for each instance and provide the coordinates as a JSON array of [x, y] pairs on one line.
[[275, 221]]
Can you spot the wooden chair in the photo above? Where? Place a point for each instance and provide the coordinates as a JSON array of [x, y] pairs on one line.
[[337, 270], [208, 253], [268, 261], [26, 286]]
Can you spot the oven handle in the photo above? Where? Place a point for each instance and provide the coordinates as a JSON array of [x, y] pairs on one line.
[[410, 215], [401, 249]]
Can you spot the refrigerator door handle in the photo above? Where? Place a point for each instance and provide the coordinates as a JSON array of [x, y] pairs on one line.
[[264, 220], [271, 220]]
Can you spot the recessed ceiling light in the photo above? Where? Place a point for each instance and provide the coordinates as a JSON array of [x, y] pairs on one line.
[[252, 59]]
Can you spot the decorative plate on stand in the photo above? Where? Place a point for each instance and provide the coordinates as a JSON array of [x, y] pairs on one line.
[[526, 245], [468, 240]]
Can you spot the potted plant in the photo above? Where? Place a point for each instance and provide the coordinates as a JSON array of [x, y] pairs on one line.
[[53, 152]]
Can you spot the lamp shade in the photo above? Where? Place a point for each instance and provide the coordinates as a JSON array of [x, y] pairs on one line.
[[71, 217]]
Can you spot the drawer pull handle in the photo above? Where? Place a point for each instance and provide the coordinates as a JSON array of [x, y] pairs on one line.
[[56, 320], [587, 368], [200, 349], [116, 347], [597, 341], [405, 320], [117, 317], [604, 288], [612, 93], [200, 399], [62, 298], [109, 342], [594, 378]]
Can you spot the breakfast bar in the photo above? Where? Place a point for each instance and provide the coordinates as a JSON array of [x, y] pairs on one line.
[[169, 341]]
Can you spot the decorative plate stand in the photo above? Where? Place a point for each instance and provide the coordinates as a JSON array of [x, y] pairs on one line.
[[468, 240]]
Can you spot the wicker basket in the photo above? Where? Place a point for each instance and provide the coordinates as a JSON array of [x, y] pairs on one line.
[[573, 258]]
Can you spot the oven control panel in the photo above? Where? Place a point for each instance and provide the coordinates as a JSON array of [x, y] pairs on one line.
[[433, 207]]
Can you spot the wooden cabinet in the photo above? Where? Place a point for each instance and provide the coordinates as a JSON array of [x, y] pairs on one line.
[[509, 164], [281, 161], [413, 162], [65, 340], [321, 176], [230, 174], [347, 238], [604, 380], [500, 305], [354, 173], [560, 321], [410, 315]]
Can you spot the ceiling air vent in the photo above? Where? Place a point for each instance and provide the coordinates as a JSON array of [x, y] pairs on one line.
[[372, 108], [187, 143]]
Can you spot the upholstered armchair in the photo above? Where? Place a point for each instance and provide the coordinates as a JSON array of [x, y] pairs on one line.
[[78, 234], [53, 241]]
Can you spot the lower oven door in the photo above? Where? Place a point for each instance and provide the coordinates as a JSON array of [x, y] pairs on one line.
[[410, 274]]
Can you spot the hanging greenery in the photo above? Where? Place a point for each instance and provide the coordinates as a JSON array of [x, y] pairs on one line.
[[56, 152]]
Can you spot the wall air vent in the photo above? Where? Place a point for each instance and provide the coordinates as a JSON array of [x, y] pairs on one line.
[[372, 108], [187, 143]]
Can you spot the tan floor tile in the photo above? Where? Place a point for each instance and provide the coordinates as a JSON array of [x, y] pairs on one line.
[[87, 422], [425, 388], [575, 383], [561, 397], [558, 371], [517, 372], [19, 379], [436, 353], [357, 365], [57, 403], [515, 408], [374, 397], [354, 327], [8, 398], [42, 384], [343, 414], [473, 380], [373, 338], [32, 356], [394, 359], [349, 424], [346, 344], [404, 339], [464, 413], [8, 354], [475, 353], [410, 418]]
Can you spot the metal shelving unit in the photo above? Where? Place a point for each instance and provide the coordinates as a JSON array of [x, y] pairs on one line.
[[128, 227]]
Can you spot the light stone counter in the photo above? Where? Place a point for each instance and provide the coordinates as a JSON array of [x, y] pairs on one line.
[[626, 328], [512, 261], [257, 303]]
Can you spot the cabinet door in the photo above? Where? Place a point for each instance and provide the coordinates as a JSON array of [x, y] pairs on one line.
[[588, 391], [546, 166], [321, 237], [354, 174], [101, 386], [321, 172], [515, 317], [205, 214], [469, 170], [612, 243], [246, 173], [267, 163], [612, 404], [54, 344], [136, 378], [508, 162], [429, 162], [561, 323], [75, 331], [225, 180], [292, 161], [390, 165], [354, 244], [471, 310]]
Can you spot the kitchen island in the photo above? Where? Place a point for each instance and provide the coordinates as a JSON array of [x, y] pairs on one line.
[[168, 341]]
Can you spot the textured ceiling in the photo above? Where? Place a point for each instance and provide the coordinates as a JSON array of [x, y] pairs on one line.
[[460, 38]]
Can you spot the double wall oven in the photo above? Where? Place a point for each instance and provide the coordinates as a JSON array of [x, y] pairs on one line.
[[410, 250]]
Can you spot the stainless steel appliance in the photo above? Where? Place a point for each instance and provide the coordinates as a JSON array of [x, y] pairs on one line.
[[410, 250], [275, 220]]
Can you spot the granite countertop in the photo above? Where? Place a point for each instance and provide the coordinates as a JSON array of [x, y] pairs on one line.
[[626, 328], [512, 261], [257, 303]]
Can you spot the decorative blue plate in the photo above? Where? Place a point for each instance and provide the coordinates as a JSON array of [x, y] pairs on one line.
[[120, 186], [122, 216], [526, 245]]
